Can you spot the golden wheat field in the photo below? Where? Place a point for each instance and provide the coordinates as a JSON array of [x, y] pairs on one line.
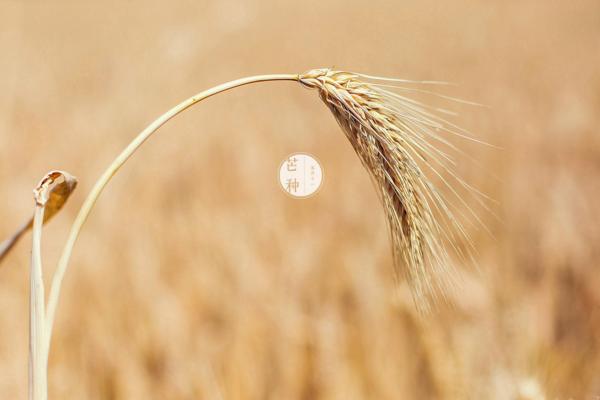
[[197, 277]]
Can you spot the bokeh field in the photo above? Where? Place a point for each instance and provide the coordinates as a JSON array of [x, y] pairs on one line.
[[197, 277]]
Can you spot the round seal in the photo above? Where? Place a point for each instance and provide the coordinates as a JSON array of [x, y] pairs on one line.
[[300, 175]]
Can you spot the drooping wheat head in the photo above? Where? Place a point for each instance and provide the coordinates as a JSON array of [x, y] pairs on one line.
[[394, 138]]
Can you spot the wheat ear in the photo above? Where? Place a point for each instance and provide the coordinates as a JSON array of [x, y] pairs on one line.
[[392, 136]]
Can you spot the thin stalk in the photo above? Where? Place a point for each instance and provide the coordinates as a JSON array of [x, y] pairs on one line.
[[8, 244], [37, 328], [91, 199]]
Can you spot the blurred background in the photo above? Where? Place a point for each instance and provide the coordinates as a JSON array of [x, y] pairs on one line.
[[197, 277]]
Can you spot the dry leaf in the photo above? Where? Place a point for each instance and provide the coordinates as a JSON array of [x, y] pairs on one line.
[[53, 191]]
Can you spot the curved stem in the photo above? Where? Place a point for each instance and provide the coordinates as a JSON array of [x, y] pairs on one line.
[[114, 167]]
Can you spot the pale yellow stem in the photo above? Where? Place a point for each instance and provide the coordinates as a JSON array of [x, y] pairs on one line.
[[37, 326], [114, 167]]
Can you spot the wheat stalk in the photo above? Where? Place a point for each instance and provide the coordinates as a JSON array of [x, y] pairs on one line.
[[392, 135], [50, 195]]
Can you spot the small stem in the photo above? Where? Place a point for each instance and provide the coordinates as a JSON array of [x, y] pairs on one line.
[[8, 244], [37, 341], [114, 167]]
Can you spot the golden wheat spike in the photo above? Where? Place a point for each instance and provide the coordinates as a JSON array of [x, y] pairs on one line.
[[391, 139]]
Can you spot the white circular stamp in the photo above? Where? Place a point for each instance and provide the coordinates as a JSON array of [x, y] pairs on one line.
[[300, 175]]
